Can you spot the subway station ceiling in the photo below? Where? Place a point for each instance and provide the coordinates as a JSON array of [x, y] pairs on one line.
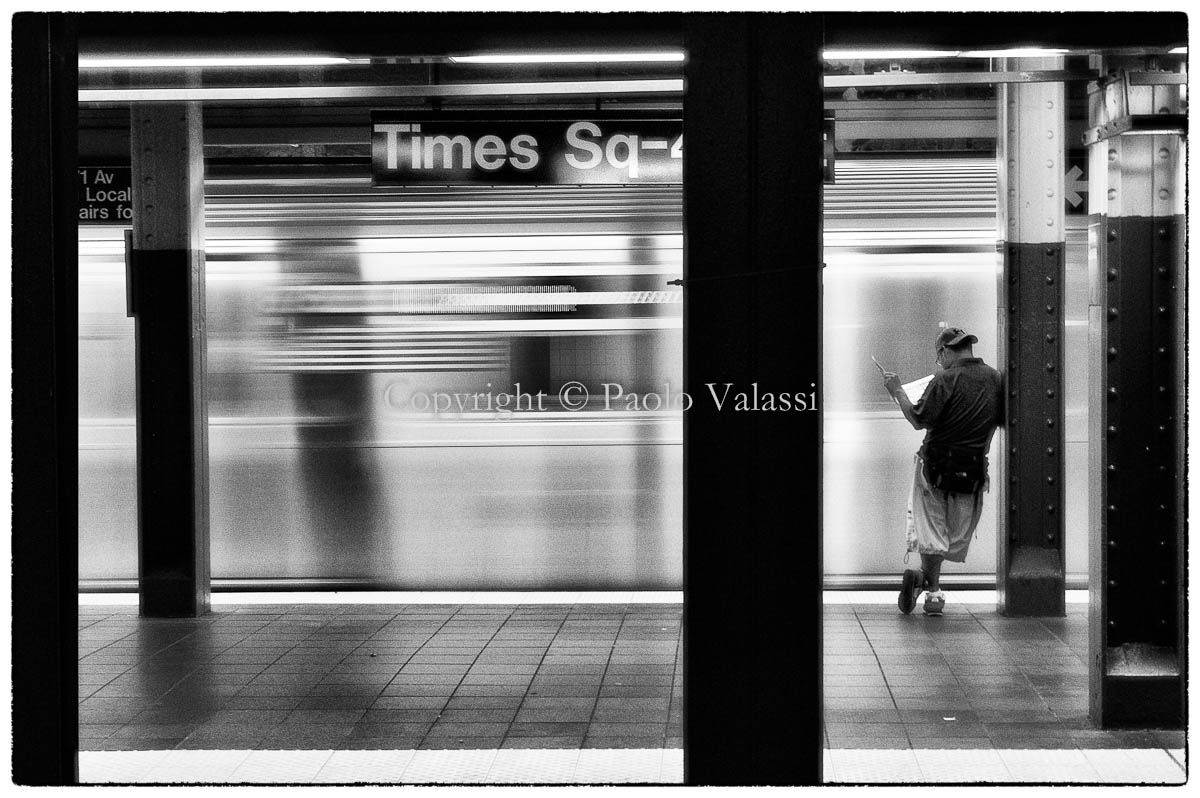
[[275, 91]]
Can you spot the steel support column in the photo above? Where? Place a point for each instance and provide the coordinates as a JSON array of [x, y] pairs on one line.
[[1136, 409], [1030, 562], [45, 402], [752, 304], [167, 293]]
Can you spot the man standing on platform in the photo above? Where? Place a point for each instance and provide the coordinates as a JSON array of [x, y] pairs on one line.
[[960, 409]]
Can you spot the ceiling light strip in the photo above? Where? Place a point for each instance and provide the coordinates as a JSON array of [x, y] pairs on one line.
[[290, 93], [885, 55], [569, 58], [214, 62], [908, 55]]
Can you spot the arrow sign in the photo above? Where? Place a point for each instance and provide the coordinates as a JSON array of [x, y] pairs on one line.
[[1074, 185]]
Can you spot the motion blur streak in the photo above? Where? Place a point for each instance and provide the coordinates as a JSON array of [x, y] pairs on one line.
[[321, 469], [330, 305], [911, 243]]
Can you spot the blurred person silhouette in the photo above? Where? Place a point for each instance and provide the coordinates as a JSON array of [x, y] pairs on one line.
[[340, 480]]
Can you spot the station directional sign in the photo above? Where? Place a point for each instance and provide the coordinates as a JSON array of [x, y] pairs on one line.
[[1073, 185], [105, 195], [441, 150]]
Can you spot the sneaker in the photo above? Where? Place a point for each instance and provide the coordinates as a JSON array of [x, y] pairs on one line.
[[910, 589], [935, 603]]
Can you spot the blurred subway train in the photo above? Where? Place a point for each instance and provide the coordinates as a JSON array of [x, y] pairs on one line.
[[342, 318], [910, 244], [340, 314]]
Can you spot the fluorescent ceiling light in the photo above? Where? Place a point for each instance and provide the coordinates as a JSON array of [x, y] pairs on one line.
[[1178, 51], [1016, 52], [189, 62], [872, 55], [902, 55], [567, 58]]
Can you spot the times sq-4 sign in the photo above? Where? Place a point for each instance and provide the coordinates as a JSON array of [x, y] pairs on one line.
[[438, 149]]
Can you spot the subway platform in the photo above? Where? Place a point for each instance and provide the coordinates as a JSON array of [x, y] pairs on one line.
[[586, 688], [436, 688], [972, 696]]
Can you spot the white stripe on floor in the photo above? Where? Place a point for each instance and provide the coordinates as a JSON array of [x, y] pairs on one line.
[[982, 766], [516, 766], [610, 766]]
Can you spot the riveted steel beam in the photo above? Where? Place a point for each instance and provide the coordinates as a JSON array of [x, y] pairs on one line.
[[1131, 102], [167, 291], [1144, 125], [1136, 413], [1030, 560]]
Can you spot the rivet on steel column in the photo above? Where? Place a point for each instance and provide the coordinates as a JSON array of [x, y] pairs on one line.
[[1137, 648], [1030, 557]]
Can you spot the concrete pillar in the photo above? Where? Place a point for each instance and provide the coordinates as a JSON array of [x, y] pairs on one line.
[[1030, 562], [1137, 271], [172, 417]]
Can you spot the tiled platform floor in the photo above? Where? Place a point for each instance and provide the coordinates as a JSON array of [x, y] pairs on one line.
[[972, 696], [342, 677], [583, 693]]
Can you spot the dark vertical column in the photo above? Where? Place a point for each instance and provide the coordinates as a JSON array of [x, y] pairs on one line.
[[752, 184], [45, 312], [1136, 421], [168, 295], [1030, 561]]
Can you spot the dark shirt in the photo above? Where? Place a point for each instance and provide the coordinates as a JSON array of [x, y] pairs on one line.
[[962, 405]]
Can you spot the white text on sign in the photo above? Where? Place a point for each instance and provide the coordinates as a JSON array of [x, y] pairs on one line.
[[406, 147]]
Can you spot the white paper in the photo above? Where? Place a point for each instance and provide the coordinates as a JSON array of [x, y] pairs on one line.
[[916, 389]]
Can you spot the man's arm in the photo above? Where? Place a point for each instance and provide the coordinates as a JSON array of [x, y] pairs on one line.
[[892, 383]]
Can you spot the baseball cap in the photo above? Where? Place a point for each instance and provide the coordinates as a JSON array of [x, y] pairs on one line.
[[953, 336]]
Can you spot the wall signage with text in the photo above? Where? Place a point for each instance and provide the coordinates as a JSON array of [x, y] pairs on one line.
[[437, 150], [105, 195]]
